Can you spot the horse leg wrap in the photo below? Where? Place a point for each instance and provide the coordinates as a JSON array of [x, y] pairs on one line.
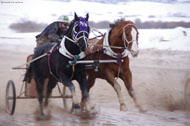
[[123, 107], [75, 100], [118, 90], [120, 97]]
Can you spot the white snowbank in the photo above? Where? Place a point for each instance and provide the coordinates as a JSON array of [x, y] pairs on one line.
[[167, 39]]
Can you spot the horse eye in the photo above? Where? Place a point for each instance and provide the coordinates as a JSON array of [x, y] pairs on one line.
[[77, 28]]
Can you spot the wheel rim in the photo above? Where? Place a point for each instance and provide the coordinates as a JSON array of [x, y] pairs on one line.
[[10, 97]]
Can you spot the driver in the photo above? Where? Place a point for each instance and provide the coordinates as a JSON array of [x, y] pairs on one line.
[[54, 32]]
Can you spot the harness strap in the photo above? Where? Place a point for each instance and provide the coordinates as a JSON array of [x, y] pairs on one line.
[[119, 61], [63, 50], [94, 52], [53, 49], [96, 37], [108, 51]]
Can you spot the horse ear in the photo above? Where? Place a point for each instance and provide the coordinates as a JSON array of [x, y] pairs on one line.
[[76, 17], [87, 16], [112, 25]]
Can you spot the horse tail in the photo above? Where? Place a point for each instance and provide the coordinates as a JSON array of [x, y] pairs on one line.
[[28, 75]]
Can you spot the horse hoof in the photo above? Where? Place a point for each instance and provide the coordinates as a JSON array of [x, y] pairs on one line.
[[76, 112], [76, 106], [123, 107], [39, 116], [95, 110], [91, 113], [143, 110]]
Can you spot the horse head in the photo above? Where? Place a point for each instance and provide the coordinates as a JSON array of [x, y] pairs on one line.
[[128, 34], [130, 38], [79, 31]]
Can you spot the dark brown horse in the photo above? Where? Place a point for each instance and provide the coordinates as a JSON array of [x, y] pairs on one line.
[[117, 44]]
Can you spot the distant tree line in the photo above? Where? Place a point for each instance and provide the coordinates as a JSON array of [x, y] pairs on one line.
[[31, 26], [160, 24], [146, 24], [27, 26]]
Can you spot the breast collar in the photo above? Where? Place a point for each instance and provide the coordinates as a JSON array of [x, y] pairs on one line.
[[63, 50], [108, 51]]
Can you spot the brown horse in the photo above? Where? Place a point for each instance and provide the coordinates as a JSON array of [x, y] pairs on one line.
[[117, 44]]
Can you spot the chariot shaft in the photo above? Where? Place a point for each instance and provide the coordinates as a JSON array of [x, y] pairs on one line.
[[94, 61]]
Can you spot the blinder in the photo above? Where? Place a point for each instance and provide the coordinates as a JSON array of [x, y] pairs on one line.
[[80, 30]]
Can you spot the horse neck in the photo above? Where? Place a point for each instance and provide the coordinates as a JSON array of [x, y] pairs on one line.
[[115, 39], [70, 46]]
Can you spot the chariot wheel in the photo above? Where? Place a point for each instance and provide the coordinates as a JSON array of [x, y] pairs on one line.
[[67, 100], [10, 97]]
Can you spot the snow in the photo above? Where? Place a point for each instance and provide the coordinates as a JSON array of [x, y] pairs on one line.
[[48, 11], [167, 39]]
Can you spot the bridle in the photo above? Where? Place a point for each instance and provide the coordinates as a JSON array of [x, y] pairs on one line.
[[124, 37], [126, 50]]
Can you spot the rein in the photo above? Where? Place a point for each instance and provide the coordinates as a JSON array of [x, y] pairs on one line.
[[100, 45], [101, 35], [96, 36], [37, 58]]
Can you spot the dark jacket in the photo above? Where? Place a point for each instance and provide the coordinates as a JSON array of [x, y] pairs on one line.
[[52, 33]]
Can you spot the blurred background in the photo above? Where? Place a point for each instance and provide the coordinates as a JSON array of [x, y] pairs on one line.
[[32, 16]]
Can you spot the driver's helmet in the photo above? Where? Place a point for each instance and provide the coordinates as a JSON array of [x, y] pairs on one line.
[[63, 18]]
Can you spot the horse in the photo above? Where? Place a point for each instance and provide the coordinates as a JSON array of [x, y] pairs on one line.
[[55, 66], [120, 41]]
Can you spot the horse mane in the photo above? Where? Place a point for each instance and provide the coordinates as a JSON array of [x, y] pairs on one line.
[[118, 25], [119, 22], [69, 30], [116, 22]]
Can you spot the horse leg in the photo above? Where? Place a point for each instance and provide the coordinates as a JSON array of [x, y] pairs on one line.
[[51, 84], [111, 80], [39, 88], [66, 81], [127, 78], [85, 96], [90, 83]]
